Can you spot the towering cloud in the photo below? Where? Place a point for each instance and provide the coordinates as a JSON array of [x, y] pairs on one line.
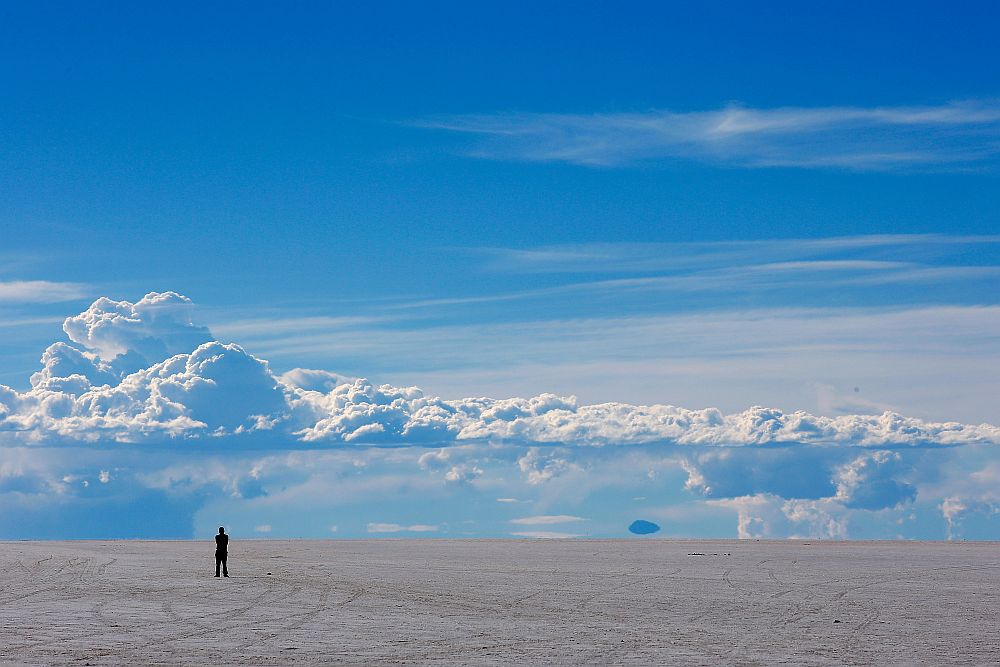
[[136, 335]]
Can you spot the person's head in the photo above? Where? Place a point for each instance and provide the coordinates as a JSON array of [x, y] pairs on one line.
[[221, 530]]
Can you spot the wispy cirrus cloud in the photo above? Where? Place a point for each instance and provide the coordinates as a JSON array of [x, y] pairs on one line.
[[802, 272], [734, 267], [957, 135], [40, 291], [741, 279], [679, 255]]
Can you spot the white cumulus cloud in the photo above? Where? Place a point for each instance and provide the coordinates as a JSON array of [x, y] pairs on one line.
[[155, 327]]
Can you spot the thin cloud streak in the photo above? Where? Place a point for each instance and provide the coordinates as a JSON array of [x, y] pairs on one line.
[[397, 528], [957, 135], [279, 325], [546, 520], [684, 267], [639, 257], [780, 328], [6, 323], [40, 291], [742, 279]]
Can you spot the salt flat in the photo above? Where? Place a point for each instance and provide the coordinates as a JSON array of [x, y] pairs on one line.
[[499, 601]]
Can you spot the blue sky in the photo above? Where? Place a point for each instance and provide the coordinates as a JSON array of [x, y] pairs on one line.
[[698, 205]]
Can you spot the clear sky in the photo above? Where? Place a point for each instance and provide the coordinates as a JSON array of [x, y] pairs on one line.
[[705, 205]]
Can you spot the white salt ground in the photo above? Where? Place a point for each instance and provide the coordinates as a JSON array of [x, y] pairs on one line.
[[497, 601]]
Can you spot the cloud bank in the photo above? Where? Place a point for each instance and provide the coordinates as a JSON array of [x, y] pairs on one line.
[[145, 405], [188, 387], [957, 135]]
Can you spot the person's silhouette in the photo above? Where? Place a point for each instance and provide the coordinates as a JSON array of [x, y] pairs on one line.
[[221, 547]]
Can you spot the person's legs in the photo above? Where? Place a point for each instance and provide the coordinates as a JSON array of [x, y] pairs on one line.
[[225, 570], [218, 562]]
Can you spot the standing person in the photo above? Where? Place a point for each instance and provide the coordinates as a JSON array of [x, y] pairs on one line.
[[221, 546]]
